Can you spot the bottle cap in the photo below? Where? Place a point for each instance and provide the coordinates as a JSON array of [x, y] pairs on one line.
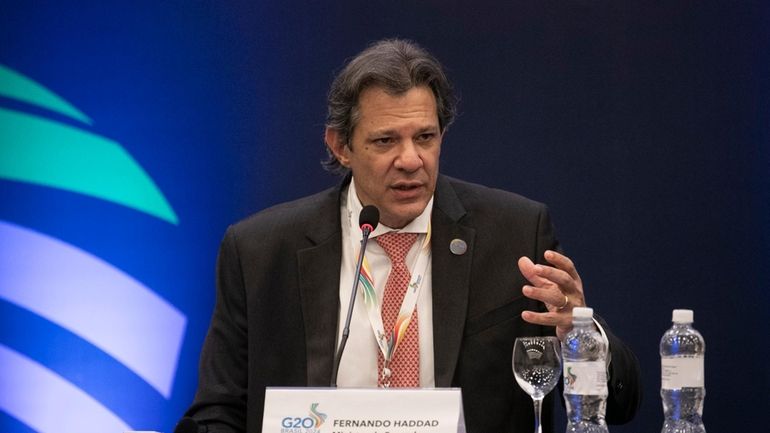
[[682, 316], [582, 312]]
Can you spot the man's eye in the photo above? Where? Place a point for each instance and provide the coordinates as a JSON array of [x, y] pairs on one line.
[[383, 140], [425, 137]]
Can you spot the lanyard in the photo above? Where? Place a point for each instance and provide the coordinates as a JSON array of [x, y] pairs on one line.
[[388, 342]]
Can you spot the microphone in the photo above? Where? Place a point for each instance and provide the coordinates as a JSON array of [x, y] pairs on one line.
[[367, 221], [189, 425]]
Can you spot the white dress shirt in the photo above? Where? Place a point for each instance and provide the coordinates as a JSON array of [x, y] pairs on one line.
[[358, 366]]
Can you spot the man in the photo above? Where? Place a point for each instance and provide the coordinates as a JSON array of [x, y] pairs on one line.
[[284, 274]]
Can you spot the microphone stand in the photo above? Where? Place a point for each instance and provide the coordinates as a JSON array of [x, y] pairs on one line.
[[366, 229]]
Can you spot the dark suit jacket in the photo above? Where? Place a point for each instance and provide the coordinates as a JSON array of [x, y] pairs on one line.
[[276, 315]]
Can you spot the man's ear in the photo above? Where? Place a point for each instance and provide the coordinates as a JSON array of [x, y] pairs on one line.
[[337, 146]]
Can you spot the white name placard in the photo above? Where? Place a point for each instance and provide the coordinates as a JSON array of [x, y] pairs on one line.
[[357, 410]]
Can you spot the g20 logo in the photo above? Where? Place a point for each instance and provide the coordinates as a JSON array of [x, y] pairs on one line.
[[296, 422], [313, 421]]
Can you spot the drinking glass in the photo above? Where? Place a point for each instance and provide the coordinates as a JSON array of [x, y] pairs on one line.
[[537, 367]]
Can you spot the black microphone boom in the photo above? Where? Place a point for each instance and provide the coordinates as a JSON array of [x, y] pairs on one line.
[[367, 221]]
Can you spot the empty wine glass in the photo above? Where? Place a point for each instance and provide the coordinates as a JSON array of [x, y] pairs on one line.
[[537, 367]]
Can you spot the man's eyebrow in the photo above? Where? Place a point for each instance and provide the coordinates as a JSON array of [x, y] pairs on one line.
[[395, 133], [382, 132], [432, 128]]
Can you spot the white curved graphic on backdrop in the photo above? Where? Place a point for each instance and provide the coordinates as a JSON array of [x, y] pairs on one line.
[[48, 403], [93, 299]]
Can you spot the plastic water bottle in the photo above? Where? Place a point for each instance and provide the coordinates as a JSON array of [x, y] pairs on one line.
[[682, 383], [585, 375]]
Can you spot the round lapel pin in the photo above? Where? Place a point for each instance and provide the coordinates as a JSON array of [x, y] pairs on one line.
[[458, 247]]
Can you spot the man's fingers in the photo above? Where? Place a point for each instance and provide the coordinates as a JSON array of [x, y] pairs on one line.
[[557, 276], [562, 273], [562, 262], [547, 319], [558, 286], [552, 297], [528, 269]]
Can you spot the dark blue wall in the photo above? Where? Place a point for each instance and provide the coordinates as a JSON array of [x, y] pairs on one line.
[[644, 125]]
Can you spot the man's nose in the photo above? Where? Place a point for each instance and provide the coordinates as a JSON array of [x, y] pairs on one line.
[[408, 158]]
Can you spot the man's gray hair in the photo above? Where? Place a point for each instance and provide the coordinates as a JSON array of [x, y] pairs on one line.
[[396, 65]]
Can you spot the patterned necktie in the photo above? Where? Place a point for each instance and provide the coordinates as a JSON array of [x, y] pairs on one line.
[[405, 365]]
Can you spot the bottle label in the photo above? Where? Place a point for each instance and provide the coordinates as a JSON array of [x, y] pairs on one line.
[[585, 377], [681, 372]]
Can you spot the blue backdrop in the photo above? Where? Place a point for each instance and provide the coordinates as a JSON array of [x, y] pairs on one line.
[[131, 135]]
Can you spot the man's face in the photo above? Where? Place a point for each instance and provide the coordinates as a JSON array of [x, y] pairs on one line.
[[393, 152]]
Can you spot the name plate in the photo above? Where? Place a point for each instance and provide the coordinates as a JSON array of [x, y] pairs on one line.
[[363, 410]]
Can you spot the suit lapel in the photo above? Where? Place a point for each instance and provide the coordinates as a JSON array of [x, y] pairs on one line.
[[451, 274], [318, 277]]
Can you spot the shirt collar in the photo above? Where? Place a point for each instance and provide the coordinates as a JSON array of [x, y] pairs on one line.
[[354, 206]]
